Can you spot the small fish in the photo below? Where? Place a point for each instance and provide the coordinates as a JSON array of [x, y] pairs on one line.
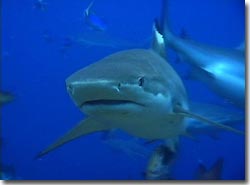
[[159, 165], [40, 5], [214, 173], [92, 20], [5, 97]]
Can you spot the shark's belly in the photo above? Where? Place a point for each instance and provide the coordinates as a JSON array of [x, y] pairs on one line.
[[149, 127], [153, 122], [231, 87]]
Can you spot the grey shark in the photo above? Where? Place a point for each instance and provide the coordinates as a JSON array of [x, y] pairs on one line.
[[223, 70], [136, 91]]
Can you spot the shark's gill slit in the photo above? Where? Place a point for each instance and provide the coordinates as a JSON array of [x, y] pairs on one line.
[[70, 89]]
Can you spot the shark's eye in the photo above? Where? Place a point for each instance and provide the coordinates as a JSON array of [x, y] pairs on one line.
[[141, 81]]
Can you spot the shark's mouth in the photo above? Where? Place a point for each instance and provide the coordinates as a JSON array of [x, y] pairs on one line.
[[108, 102]]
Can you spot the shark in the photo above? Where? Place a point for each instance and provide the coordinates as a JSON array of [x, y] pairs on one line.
[[221, 69], [92, 20], [134, 90]]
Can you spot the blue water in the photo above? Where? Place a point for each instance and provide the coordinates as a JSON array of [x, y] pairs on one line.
[[36, 61]]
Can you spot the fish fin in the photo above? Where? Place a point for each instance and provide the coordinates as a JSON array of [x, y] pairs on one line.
[[158, 43], [86, 11], [207, 72], [217, 113], [165, 22], [85, 127], [180, 110]]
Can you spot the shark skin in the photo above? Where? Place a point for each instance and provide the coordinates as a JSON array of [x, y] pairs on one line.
[[222, 69], [134, 90]]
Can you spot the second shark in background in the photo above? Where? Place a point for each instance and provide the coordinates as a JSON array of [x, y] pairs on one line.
[[212, 65]]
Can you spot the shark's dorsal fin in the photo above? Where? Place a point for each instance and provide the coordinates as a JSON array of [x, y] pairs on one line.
[[158, 43], [86, 11], [180, 110], [85, 127]]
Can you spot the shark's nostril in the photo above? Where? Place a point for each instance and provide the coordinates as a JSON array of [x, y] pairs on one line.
[[70, 88]]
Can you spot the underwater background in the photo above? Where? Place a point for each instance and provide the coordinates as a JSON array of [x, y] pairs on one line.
[[43, 45]]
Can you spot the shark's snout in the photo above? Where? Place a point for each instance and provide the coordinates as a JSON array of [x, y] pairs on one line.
[[86, 92], [70, 89]]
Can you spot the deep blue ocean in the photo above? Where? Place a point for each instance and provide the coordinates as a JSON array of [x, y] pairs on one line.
[[42, 46]]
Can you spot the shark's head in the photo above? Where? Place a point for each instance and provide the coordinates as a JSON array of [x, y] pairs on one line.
[[127, 81], [126, 86]]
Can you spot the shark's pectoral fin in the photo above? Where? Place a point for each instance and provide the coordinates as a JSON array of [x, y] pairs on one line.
[[186, 113], [207, 72], [85, 127]]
